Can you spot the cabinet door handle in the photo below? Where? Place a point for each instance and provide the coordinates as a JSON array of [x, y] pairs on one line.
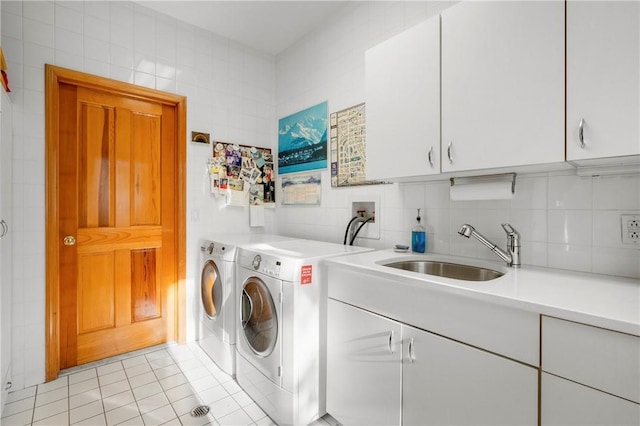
[[449, 152], [391, 341], [412, 358], [5, 228], [431, 156], [581, 133]]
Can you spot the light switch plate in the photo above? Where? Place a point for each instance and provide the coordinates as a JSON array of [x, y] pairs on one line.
[[630, 226]]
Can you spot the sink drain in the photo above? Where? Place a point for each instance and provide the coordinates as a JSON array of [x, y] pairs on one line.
[[200, 411]]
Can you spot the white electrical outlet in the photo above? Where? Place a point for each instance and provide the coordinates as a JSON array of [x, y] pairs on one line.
[[630, 224]]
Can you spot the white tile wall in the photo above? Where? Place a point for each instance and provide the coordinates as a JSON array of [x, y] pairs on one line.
[[231, 94], [566, 221]]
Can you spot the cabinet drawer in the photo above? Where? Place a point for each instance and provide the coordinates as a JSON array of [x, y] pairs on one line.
[[599, 358], [565, 403]]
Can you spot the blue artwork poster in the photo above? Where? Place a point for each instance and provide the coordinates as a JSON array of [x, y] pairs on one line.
[[302, 140]]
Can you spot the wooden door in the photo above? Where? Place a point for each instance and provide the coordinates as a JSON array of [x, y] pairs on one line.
[[116, 217]]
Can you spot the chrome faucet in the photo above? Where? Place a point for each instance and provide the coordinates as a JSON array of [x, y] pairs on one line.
[[511, 256]]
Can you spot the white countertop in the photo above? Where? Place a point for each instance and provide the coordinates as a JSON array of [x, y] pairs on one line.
[[599, 300]]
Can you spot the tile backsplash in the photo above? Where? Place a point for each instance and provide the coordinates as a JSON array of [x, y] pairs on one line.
[[565, 221]]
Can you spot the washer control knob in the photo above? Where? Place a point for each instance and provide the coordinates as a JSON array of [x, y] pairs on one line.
[[210, 248], [256, 262]]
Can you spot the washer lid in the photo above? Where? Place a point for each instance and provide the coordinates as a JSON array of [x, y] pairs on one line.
[[305, 249], [225, 246]]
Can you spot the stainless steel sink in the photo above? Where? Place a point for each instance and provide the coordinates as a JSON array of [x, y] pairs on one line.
[[448, 270]]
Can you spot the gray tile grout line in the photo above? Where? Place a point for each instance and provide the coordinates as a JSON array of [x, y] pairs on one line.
[[104, 411], [162, 390], [176, 362], [194, 392]]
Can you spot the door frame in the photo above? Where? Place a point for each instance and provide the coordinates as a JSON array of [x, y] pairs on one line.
[[54, 76]]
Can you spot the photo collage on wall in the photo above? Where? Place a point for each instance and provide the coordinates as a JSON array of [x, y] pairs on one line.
[[238, 169]]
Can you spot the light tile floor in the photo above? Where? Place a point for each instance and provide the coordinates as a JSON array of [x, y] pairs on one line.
[[156, 386]]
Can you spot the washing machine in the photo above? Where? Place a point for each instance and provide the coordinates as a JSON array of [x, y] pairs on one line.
[[281, 338], [217, 313]]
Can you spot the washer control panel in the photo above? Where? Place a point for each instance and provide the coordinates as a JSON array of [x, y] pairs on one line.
[[212, 248], [267, 265], [273, 266], [276, 266]]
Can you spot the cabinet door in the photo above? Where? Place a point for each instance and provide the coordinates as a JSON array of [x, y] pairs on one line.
[[364, 367], [403, 104], [502, 84], [449, 383], [568, 403], [571, 350], [603, 78]]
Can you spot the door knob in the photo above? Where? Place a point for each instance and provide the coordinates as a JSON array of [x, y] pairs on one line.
[[69, 240]]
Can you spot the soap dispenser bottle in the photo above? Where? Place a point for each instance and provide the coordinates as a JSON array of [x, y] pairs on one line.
[[418, 237]]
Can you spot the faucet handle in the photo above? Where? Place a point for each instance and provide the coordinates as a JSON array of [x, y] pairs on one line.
[[509, 230]]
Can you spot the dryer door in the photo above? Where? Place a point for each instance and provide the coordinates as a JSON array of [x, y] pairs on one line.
[[211, 292], [259, 317]]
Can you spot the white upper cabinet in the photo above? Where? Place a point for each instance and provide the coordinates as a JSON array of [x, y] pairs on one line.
[[403, 104], [502, 84], [603, 79]]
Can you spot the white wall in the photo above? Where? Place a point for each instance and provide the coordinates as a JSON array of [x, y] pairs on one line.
[[566, 221], [6, 148], [231, 94]]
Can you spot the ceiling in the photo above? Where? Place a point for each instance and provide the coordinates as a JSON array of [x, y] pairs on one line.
[[267, 26]]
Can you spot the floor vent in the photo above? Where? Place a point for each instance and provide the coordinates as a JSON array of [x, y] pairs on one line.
[[200, 411]]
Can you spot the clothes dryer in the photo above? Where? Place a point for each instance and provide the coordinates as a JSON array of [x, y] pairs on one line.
[[282, 327], [217, 310]]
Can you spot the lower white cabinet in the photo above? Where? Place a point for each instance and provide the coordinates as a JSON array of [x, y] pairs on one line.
[[590, 375], [565, 403], [364, 367], [449, 383], [380, 371]]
